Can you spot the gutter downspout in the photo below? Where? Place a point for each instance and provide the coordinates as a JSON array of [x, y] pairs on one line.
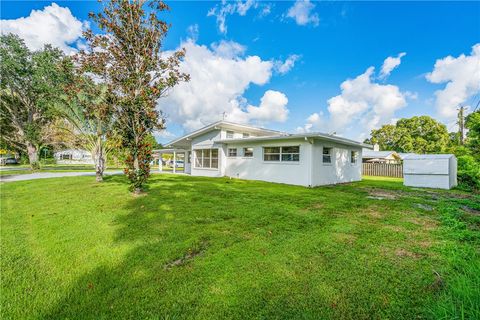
[[310, 162]]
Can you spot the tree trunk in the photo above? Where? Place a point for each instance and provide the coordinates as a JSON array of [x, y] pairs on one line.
[[136, 168], [99, 167], [99, 159], [33, 156]]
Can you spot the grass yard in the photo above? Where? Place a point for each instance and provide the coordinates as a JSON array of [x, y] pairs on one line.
[[20, 169], [208, 248]]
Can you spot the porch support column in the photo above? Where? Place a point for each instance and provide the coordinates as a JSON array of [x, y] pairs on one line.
[[174, 162], [160, 167]]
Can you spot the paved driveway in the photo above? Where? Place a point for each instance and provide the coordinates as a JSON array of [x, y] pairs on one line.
[[46, 175]]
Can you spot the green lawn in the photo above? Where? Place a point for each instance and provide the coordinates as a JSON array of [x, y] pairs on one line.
[[215, 248], [21, 169]]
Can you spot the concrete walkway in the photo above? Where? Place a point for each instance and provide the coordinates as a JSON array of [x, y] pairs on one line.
[[46, 175]]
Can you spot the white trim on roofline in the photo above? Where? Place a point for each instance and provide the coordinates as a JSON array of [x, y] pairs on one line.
[[314, 135], [220, 123]]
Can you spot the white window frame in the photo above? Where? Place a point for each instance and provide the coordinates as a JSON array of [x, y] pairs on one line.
[[244, 153], [230, 155], [329, 155], [280, 154], [203, 158], [353, 157], [245, 135], [230, 134]]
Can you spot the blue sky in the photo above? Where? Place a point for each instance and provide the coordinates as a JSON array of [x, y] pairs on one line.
[[282, 64]]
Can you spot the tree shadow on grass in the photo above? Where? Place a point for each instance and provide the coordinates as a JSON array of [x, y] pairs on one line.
[[211, 248]]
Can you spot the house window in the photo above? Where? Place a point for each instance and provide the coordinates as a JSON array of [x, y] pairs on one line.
[[327, 155], [66, 156], [271, 153], [206, 158], [229, 134], [232, 152], [353, 157], [246, 135], [289, 153], [248, 152]]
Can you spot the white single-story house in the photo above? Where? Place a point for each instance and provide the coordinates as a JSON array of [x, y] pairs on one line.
[[369, 156], [242, 151], [73, 156]]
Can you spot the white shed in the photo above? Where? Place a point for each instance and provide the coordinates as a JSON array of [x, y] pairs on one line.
[[430, 171]]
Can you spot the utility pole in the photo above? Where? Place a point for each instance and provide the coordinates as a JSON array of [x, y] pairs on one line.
[[461, 125]]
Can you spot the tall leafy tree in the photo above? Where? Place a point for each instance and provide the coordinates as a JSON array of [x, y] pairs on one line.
[[417, 134], [128, 58], [472, 123], [31, 83]]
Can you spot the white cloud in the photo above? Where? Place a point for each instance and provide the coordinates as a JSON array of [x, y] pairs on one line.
[[361, 106], [192, 31], [391, 63], [287, 65], [54, 25], [220, 75], [225, 8], [301, 12], [462, 78], [228, 49]]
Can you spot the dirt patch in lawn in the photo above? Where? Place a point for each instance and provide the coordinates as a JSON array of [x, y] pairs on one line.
[[426, 224], [187, 257], [471, 211], [405, 253], [380, 194]]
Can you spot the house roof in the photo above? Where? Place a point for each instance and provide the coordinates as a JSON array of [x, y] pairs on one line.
[[223, 124], [379, 154], [314, 135]]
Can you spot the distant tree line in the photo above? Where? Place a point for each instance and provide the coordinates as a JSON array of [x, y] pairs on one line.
[[102, 99]]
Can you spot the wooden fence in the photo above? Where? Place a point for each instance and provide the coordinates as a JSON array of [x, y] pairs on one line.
[[383, 170]]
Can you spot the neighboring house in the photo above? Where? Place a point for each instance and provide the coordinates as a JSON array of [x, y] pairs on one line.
[[370, 156], [73, 156], [242, 151]]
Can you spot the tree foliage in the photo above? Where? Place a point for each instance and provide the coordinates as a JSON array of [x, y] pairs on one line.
[[128, 58], [87, 118], [31, 83], [417, 134], [472, 123]]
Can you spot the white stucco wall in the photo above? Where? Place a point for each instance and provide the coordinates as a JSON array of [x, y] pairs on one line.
[[340, 170], [255, 168]]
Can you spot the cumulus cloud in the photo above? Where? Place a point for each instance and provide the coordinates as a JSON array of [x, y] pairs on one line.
[[302, 13], [53, 25], [220, 75], [283, 67], [224, 9], [361, 106], [391, 63], [462, 78]]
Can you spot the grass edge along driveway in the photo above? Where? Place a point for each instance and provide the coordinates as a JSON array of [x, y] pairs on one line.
[[215, 248]]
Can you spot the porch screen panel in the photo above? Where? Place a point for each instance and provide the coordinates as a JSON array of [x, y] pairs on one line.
[[198, 159], [214, 159], [206, 158]]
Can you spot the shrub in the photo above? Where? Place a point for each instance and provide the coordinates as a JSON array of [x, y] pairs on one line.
[[468, 173]]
